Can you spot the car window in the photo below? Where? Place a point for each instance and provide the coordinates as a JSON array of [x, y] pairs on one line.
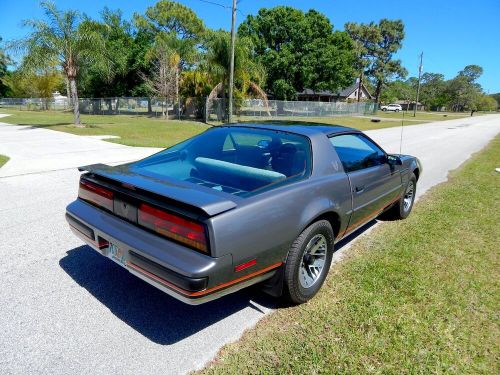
[[233, 159], [357, 152]]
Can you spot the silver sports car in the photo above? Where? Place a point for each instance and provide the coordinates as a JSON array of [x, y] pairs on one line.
[[241, 204]]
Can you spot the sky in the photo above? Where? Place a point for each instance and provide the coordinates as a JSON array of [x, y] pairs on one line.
[[450, 33]]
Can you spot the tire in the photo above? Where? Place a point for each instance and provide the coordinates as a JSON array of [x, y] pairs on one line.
[[301, 257], [404, 205], [384, 109]]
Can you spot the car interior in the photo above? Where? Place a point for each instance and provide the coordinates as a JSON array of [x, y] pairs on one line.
[[235, 162]]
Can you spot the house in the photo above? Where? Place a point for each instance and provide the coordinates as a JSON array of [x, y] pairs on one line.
[[409, 105], [349, 94], [58, 98]]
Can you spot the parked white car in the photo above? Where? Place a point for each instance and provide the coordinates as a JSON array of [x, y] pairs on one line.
[[391, 107]]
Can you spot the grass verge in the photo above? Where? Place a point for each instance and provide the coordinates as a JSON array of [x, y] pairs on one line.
[[3, 159], [423, 116], [132, 130], [361, 123], [145, 131], [417, 296]]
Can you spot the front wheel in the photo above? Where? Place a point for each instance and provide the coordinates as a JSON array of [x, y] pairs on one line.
[[308, 262], [404, 205]]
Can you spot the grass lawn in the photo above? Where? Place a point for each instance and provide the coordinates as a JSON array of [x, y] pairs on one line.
[[3, 159], [361, 123], [132, 130], [418, 296], [424, 116], [145, 131]]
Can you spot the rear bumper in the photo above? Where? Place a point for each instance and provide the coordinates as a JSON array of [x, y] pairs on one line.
[[183, 273]]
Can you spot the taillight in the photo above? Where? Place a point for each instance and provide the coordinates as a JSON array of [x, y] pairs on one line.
[[183, 230], [96, 194]]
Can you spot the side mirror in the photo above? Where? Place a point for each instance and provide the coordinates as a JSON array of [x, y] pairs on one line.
[[394, 160]]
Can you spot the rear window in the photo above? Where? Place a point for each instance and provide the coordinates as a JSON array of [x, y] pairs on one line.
[[235, 160]]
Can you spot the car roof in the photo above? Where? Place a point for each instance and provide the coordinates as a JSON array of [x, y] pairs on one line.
[[298, 127]]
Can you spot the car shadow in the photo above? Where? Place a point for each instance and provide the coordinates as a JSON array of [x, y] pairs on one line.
[[149, 311], [352, 236], [154, 314]]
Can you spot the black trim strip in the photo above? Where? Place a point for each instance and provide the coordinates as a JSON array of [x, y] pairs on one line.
[[85, 230], [183, 282]]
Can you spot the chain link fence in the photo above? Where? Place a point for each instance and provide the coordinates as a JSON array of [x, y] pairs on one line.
[[216, 110], [35, 104], [212, 111], [191, 108]]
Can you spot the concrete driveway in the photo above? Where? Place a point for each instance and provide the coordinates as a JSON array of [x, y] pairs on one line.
[[35, 150], [65, 309]]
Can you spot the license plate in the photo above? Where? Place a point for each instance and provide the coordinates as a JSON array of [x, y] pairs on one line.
[[116, 254]]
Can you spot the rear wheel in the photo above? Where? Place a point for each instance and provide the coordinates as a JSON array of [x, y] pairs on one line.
[[308, 262], [404, 205]]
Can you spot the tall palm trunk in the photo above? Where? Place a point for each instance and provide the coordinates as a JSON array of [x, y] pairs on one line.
[[74, 97], [68, 93], [150, 107], [378, 91], [177, 92], [360, 85]]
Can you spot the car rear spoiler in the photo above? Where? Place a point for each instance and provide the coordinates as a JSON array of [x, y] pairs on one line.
[[210, 202]]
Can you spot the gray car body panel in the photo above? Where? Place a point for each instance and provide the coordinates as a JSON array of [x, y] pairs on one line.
[[208, 200], [260, 227]]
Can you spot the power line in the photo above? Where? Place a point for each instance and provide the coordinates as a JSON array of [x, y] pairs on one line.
[[223, 5], [217, 4]]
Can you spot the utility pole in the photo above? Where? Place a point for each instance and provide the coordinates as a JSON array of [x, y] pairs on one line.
[[420, 67], [231, 64]]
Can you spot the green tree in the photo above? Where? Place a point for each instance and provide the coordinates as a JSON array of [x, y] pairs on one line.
[[173, 25], [110, 76], [248, 74], [463, 91], [175, 28], [485, 103], [375, 46], [299, 50], [496, 97], [60, 38], [471, 72], [398, 90], [433, 90], [4, 73], [364, 37], [195, 83], [390, 35]]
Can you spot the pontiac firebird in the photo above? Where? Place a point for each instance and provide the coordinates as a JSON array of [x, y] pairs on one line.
[[239, 205]]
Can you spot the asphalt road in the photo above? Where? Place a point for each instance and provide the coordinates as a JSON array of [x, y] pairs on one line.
[[65, 309]]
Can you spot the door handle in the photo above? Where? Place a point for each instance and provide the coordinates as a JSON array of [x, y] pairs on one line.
[[359, 189]]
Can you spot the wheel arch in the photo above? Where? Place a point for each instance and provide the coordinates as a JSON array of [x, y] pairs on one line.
[[416, 172], [331, 216], [274, 286]]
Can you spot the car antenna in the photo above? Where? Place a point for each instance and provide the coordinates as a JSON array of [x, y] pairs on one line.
[[401, 137]]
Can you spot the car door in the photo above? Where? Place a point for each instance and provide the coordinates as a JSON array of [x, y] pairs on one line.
[[375, 183]]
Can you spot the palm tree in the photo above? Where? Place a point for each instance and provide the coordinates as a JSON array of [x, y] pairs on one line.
[[247, 73], [62, 38]]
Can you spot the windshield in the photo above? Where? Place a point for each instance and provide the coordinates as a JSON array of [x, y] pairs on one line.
[[233, 159]]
